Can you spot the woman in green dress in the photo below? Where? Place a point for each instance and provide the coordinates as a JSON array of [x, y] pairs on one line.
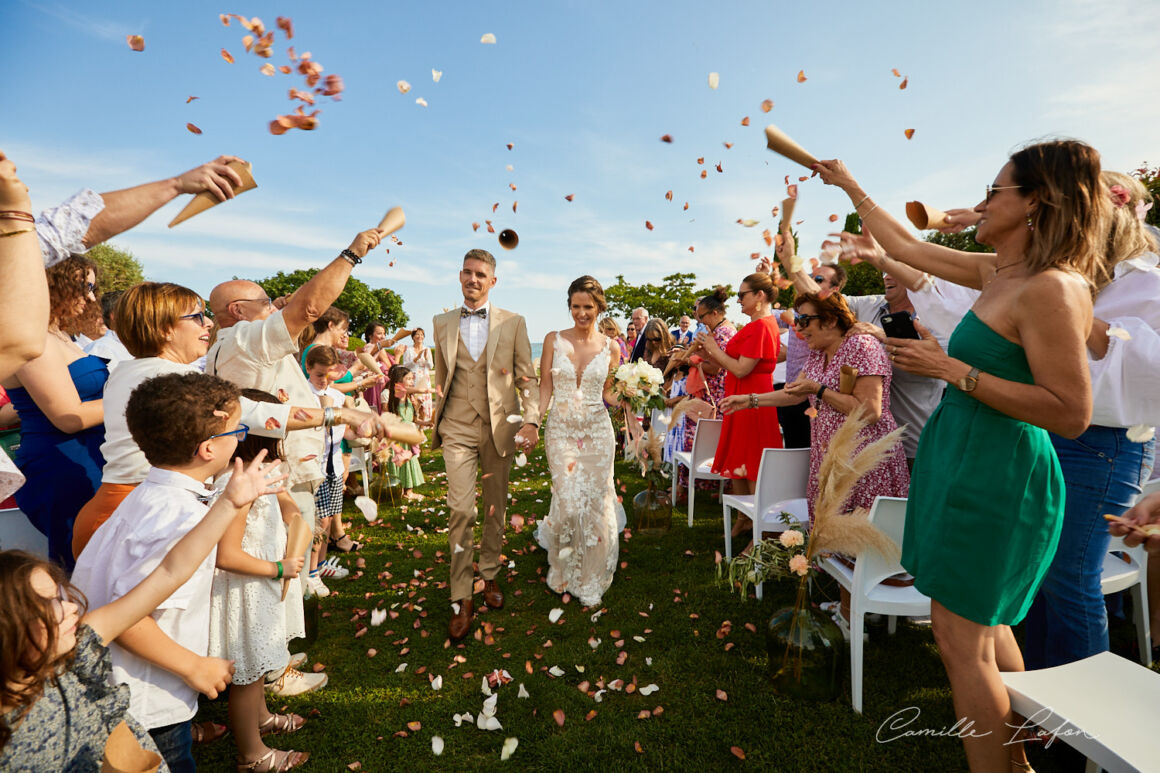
[[407, 471], [987, 494]]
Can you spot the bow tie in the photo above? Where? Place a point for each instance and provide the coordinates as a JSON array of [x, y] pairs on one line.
[[205, 498], [481, 313]]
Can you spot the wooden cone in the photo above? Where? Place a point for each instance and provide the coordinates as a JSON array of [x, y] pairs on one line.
[[924, 217], [204, 200], [124, 753], [392, 221], [298, 539], [779, 142]]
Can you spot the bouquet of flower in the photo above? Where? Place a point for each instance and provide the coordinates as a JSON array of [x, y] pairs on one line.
[[639, 385]]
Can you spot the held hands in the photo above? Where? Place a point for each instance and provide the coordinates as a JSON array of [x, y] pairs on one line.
[[923, 357], [215, 177], [365, 242], [1141, 524], [254, 481], [209, 676], [291, 566], [13, 192], [527, 437]]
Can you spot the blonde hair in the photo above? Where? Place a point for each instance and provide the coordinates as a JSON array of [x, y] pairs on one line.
[[1069, 225], [609, 324], [1127, 236]]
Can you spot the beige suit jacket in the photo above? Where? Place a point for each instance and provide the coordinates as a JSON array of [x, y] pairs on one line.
[[512, 387]]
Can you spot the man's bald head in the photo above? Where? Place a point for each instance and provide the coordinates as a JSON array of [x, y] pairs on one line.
[[238, 300]]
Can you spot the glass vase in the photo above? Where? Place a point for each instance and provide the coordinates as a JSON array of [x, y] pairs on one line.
[[807, 652], [652, 512]]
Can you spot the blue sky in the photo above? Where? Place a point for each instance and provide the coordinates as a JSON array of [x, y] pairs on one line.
[[583, 90]]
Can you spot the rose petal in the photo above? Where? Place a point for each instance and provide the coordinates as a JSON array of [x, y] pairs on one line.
[[666, 138], [193, 128], [267, 69], [414, 727], [569, 197], [904, 82], [487, 38], [766, 105], [801, 76], [909, 133], [737, 752], [648, 225], [555, 615], [436, 74], [136, 42], [722, 696], [421, 102], [714, 80], [558, 715], [227, 56], [509, 748], [894, 71]]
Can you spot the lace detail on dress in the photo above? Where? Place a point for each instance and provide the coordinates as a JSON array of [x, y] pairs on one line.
[[580, 532]]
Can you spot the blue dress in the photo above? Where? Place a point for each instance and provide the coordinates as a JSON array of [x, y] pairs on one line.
[[63, 470]]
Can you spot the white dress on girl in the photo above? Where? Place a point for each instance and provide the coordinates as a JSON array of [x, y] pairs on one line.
[[420, 364], [249, 623]]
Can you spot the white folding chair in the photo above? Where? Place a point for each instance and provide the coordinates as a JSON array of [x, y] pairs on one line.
[[781, 485], [18, 533], [867, 592], [1126, 568], [360, 462], [1103, 706], [699, 461]]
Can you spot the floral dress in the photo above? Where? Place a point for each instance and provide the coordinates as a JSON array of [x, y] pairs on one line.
[[888, 479], [722, 334], [68, 726]]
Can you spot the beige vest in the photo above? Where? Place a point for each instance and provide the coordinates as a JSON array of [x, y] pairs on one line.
[[468, 393]]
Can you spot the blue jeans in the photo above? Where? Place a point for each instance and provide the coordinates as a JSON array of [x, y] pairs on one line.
[[175, 742], [1103, 472]]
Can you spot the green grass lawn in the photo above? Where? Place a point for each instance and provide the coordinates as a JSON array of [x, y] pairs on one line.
[[681, 630]]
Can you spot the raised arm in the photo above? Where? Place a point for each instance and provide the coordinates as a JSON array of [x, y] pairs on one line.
[[114, 618], [786, 251], [126, 208], [963, 268], [309, 301], [865, 247], [24, 297]]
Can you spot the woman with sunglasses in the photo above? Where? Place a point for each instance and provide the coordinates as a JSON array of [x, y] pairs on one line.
[[987, 494], [748, 361], [58, 398]]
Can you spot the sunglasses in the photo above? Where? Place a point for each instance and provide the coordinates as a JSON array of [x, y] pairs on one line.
[[741, 294], [802, 321], [198, 317], [240, 432], [819, 279], [991, 189]]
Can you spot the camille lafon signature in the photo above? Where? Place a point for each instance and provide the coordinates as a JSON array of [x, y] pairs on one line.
[[903, 724]]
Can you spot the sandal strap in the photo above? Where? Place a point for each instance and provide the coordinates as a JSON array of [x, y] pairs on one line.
[[274, 761], [281, 723]]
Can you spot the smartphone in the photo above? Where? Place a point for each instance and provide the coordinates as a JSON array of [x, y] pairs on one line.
[[899, 325]]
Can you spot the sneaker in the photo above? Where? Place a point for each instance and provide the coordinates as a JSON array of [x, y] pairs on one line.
[[296, 660], [294, 682], [331, 569], [315, 586]]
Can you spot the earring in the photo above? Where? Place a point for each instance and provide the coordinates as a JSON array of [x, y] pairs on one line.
[[1030, 225]]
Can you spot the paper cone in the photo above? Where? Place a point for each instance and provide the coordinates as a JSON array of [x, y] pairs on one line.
[[124, 753], [204, 200], [369, 363], [779, 142], [297, 540], [847, 379], [925, 217], [787, 207], [404, 431], [392, 221]]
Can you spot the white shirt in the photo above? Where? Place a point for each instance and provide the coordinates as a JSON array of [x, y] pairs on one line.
[[125, 462], [122, 553], [1124, 390], [61, 230], [941, 306], [109, 348], [260, 355], [474, 331], [336, 432]]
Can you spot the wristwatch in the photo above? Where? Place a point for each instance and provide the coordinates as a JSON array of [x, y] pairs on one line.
[[968, 382]]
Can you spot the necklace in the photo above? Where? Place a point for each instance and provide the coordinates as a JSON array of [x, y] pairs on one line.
[[995, 271]]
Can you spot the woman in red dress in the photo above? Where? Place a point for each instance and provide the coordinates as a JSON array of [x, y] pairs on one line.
[[749, 360]]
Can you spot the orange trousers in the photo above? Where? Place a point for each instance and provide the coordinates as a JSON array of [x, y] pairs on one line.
[[98, 509]]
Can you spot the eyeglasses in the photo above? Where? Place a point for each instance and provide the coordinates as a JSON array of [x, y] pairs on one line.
[[742, 293], [198, 317], [58, 602], [264, 301], [88, 287], [240, 432], [992, 188], [802, 321]]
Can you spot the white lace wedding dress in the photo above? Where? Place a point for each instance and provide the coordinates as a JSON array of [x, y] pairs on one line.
[[581, 532]]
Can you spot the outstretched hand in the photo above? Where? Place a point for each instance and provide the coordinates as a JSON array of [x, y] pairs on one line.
[[834, 172], [215, 177], [253, 481]]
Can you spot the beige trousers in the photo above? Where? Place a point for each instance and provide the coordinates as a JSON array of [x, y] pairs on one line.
[[467, 447]]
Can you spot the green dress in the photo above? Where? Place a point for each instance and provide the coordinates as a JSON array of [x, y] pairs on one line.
[[986, 494], [409, 473]]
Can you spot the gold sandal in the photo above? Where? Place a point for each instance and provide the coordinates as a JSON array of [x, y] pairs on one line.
[[277, 724], [274, 761]]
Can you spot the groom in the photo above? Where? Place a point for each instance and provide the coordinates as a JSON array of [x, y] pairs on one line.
[[484, 374]]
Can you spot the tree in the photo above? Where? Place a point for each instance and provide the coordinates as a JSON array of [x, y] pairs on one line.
[[362, 303], [674, 297], [118, 269], [964, 240]]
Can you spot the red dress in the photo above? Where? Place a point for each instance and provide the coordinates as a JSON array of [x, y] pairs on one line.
[[746, 433]]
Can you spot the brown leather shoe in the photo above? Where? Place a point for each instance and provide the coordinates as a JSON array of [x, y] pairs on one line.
[[460, 621], [492, 595]]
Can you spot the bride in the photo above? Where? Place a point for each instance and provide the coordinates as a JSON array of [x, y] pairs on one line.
[[581, 532]]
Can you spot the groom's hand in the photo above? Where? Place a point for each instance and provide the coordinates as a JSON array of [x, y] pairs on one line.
[[527, 437]]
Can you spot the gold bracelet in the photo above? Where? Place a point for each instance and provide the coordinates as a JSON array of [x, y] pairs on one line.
[[6, 234]]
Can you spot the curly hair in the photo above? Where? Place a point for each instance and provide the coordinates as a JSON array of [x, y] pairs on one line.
[[28, 633], [831, 307], [67, 288], [588, 284], [170, 415]]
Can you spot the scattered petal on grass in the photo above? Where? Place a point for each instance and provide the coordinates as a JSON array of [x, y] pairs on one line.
[[591, 715], [909, 133], [555, 615], [372, 651], [558, 715], [487, 38], [437, 683], [639, 749], [136, 42], [415, 726], [509, 748], [436, 745], [556, 671], [356, 765], [193, 128], [649, 689], [521, 460], [714, 80], [722, 695], [522, 692], [644, 714], [737, 752]]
